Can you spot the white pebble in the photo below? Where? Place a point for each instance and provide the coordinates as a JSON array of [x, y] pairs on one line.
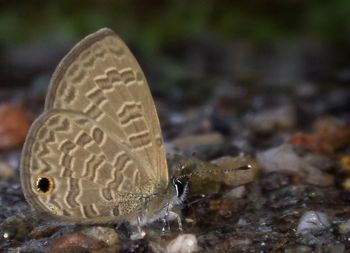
[[104, 234], [312, 222], [242, 222], [185, 243], [6, 171], [285, 158], [237, 193]]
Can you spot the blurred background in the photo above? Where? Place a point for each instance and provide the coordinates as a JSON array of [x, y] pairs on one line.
[[242, 56], [237, 56], [202, 43]]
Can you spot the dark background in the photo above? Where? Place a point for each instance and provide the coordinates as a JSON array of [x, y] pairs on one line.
[[267, 44]]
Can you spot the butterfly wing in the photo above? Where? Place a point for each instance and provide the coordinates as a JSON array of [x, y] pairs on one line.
[[76, 171], [96, 152], [101, 78]]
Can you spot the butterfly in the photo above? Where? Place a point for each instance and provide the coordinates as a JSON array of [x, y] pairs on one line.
[[96, 153]]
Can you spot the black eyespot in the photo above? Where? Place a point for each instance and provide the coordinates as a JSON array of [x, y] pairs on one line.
[[44, 184], [179, 187]]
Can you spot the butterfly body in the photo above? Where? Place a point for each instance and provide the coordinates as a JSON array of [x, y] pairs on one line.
[[96, 153]]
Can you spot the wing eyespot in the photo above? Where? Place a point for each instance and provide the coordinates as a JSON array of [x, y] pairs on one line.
[[44, 185]]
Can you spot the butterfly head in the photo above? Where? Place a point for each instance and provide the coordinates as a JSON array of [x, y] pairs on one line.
[[181, 187]]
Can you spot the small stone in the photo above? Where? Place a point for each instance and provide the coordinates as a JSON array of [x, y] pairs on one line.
[[137, 235], [237, 242], [313, 222], [344, 227], [306, 90], [203, 139], [203, 145], [32, 246], [242, 222], [75, 242], [285, 158], [280, 118], [237, 192], [223, 206], [185, 243], [6, 171], [329, 135], [104, 234], [299, 249], [43, 231], [14, 227], [14, 125], [346, 184], [335, 248], [275, 181], [345, 163]]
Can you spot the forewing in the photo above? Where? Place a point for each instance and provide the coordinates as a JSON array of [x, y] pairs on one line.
[[101, 78], [92, 177]]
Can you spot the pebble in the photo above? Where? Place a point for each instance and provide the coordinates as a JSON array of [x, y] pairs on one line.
[[241, 243], [42, 231], [285, 158], [14, 227], [6, 171], [184, 243], [345, 163], [203, 139], [104, 234], [344, 227], [75, 242], [202, 145], [237, 193], [313, 222], [283, 117], [299, 249], [222, 206], [242, 222], [335, 248], [329, 135], [346, 184], [14, 125]]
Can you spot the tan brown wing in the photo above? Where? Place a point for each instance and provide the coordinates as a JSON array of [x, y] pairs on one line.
[[101, 78], [74, 170]]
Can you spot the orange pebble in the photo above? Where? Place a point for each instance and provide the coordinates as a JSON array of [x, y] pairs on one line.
[[345, 163], [346, 184], [14, 125]]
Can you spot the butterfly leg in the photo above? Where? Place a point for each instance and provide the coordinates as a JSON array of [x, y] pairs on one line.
[[166, 221], [172, 216], [140, 233]]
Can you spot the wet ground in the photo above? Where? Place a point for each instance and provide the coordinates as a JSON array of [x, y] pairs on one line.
[[287, 110]]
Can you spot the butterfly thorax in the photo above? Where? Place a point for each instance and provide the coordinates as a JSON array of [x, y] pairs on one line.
[[158, 206]]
